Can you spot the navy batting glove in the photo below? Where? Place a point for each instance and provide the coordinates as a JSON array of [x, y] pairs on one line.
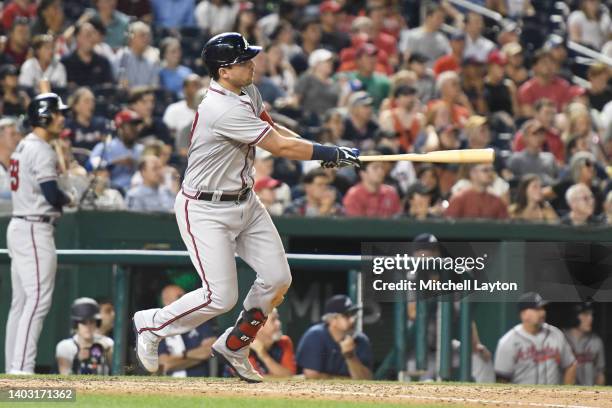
[[348, 157]]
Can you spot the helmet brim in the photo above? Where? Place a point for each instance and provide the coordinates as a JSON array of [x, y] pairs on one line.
[[81, 319], [250, 53]]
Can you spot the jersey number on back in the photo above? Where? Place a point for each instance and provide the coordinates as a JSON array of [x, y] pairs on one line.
[[14, 171]]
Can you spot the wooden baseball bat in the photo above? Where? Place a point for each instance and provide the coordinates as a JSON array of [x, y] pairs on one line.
[[441, 156], [44, 86]]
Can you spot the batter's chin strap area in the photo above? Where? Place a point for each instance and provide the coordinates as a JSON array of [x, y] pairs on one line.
[[246, 328]]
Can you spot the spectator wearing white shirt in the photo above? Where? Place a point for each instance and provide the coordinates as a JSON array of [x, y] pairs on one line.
[[591, 25], [42, 65], [518, 8], [180, 115], [476, 46], [216, 16], [101, 196]]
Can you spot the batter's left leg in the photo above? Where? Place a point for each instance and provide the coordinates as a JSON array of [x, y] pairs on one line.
[[261, 248]]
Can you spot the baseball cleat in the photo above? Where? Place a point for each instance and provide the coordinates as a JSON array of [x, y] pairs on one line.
[[146, 344], [18, 372], [237, 360]]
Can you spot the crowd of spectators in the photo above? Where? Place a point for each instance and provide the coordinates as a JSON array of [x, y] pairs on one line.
[[386, 76]]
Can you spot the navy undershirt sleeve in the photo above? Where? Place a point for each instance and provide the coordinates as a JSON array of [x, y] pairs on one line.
[[53, 194]]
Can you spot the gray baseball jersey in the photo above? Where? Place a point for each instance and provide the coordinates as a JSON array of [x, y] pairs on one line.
[[590, 358], [224, 134], [524, 358], [33, 162]]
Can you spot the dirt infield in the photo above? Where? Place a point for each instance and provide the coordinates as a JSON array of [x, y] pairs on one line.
[[348, 391]]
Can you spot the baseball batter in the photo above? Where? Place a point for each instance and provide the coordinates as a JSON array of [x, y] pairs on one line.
[[534, 352], [37, 203], [219, 216], [587, 346]]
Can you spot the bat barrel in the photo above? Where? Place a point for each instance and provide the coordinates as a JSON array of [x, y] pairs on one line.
[[441, 156]]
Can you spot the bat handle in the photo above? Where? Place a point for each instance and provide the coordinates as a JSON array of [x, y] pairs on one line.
[[44, 86]]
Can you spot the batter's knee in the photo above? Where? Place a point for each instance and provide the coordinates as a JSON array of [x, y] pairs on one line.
[[227, 299], [280, 281], [280, 286]]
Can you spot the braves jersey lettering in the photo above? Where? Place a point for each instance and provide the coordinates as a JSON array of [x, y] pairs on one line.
[[524, 358], [14, 173], [33, 162], [539, 356]]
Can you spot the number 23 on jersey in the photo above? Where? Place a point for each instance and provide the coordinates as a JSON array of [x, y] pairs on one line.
[[14, 172]]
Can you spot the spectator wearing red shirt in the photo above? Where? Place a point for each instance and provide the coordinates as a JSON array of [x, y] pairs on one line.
[[452, 61], [272, 352], [544, 84], [476, 202], [545, 111], [359, 45], [382, 40], [452, 96], [385, 19], [18, 42], [372, 198], [17, 8]]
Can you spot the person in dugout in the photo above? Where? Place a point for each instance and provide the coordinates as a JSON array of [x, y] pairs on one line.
[[86, 352], [332, 348]]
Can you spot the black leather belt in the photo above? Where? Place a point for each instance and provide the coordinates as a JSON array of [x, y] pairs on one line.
[[37, 218], [241, 196]]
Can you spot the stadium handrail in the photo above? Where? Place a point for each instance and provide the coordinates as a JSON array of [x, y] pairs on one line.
[[497, 17], [577, 47], [484, 11]]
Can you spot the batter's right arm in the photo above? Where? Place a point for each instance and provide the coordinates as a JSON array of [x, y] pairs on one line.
[[286, 132], [299, 149], [287, 147]]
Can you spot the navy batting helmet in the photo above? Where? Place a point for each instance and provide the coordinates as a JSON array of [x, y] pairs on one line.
[[83, 309], [42, 107], [226, 49]]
